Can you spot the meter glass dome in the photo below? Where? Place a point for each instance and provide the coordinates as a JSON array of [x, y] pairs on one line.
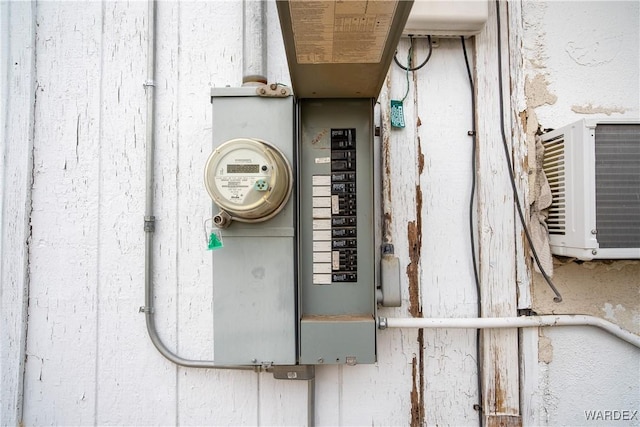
[[249, 179]]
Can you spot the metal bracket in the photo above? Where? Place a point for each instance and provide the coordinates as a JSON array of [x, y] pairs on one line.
[[526, 312], [222, 219], [293, 372], [382, 323], [387, 249], [149, 223], [273, 90], [145, 309]]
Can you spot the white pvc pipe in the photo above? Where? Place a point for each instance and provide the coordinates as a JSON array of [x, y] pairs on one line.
[[512, 322]]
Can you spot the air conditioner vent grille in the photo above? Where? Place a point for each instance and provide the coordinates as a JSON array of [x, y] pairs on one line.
[[617, 167], [554, 169]]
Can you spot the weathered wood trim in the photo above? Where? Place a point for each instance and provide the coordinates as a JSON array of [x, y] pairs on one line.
[[530, 377], [515, 31], [18, 56], [503, 421], [496, 226], [401, 189]]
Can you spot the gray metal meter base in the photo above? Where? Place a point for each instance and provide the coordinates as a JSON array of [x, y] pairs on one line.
[[254, 302]]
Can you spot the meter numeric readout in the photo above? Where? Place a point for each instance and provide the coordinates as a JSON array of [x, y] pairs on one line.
[[344, 244], [243, 168]]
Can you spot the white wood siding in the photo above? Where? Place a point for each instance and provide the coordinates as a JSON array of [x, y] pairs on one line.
[[72, 229], [17, 25]]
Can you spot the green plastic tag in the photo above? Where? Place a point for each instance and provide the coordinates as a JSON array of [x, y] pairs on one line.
[[397, 114], [215, 241]]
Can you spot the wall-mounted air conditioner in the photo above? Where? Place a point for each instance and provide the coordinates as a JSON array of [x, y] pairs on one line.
[[593, 168]]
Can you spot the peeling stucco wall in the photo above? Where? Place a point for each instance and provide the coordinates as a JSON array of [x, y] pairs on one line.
[[607, 289], [573, 73], [588, 52], [582, 61]]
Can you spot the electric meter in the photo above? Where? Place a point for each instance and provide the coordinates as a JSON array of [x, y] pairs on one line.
[[249, 179]]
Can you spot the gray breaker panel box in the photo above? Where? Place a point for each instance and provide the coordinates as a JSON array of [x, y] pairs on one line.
[[336, 235], [254, 304]]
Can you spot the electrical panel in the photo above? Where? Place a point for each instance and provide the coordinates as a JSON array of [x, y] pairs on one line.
[[294, 282], [336, 262], [294, 268]]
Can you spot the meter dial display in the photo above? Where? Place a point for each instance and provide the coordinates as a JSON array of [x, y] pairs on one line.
[[249, 179]]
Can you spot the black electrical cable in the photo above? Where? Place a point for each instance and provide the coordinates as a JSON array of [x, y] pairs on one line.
[[472, 133], [516, 198], [408, 67]]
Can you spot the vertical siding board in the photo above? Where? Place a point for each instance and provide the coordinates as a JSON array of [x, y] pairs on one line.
[[209, 54], [447, 272], [515, 30], [277, 67], [403, 168], [496, 225], [204, 63], [329, 402], [219, 397], [63, 261], [530, 377], [378, 394], [281, 402], [16, 133], [398, 349], [129, 367]]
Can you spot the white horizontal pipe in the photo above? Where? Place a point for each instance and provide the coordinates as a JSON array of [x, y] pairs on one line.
[[513, 322]]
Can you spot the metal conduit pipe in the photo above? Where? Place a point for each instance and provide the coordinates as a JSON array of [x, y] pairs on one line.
[[149, 219], [311, 402], [254, 43], [512, 322]]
